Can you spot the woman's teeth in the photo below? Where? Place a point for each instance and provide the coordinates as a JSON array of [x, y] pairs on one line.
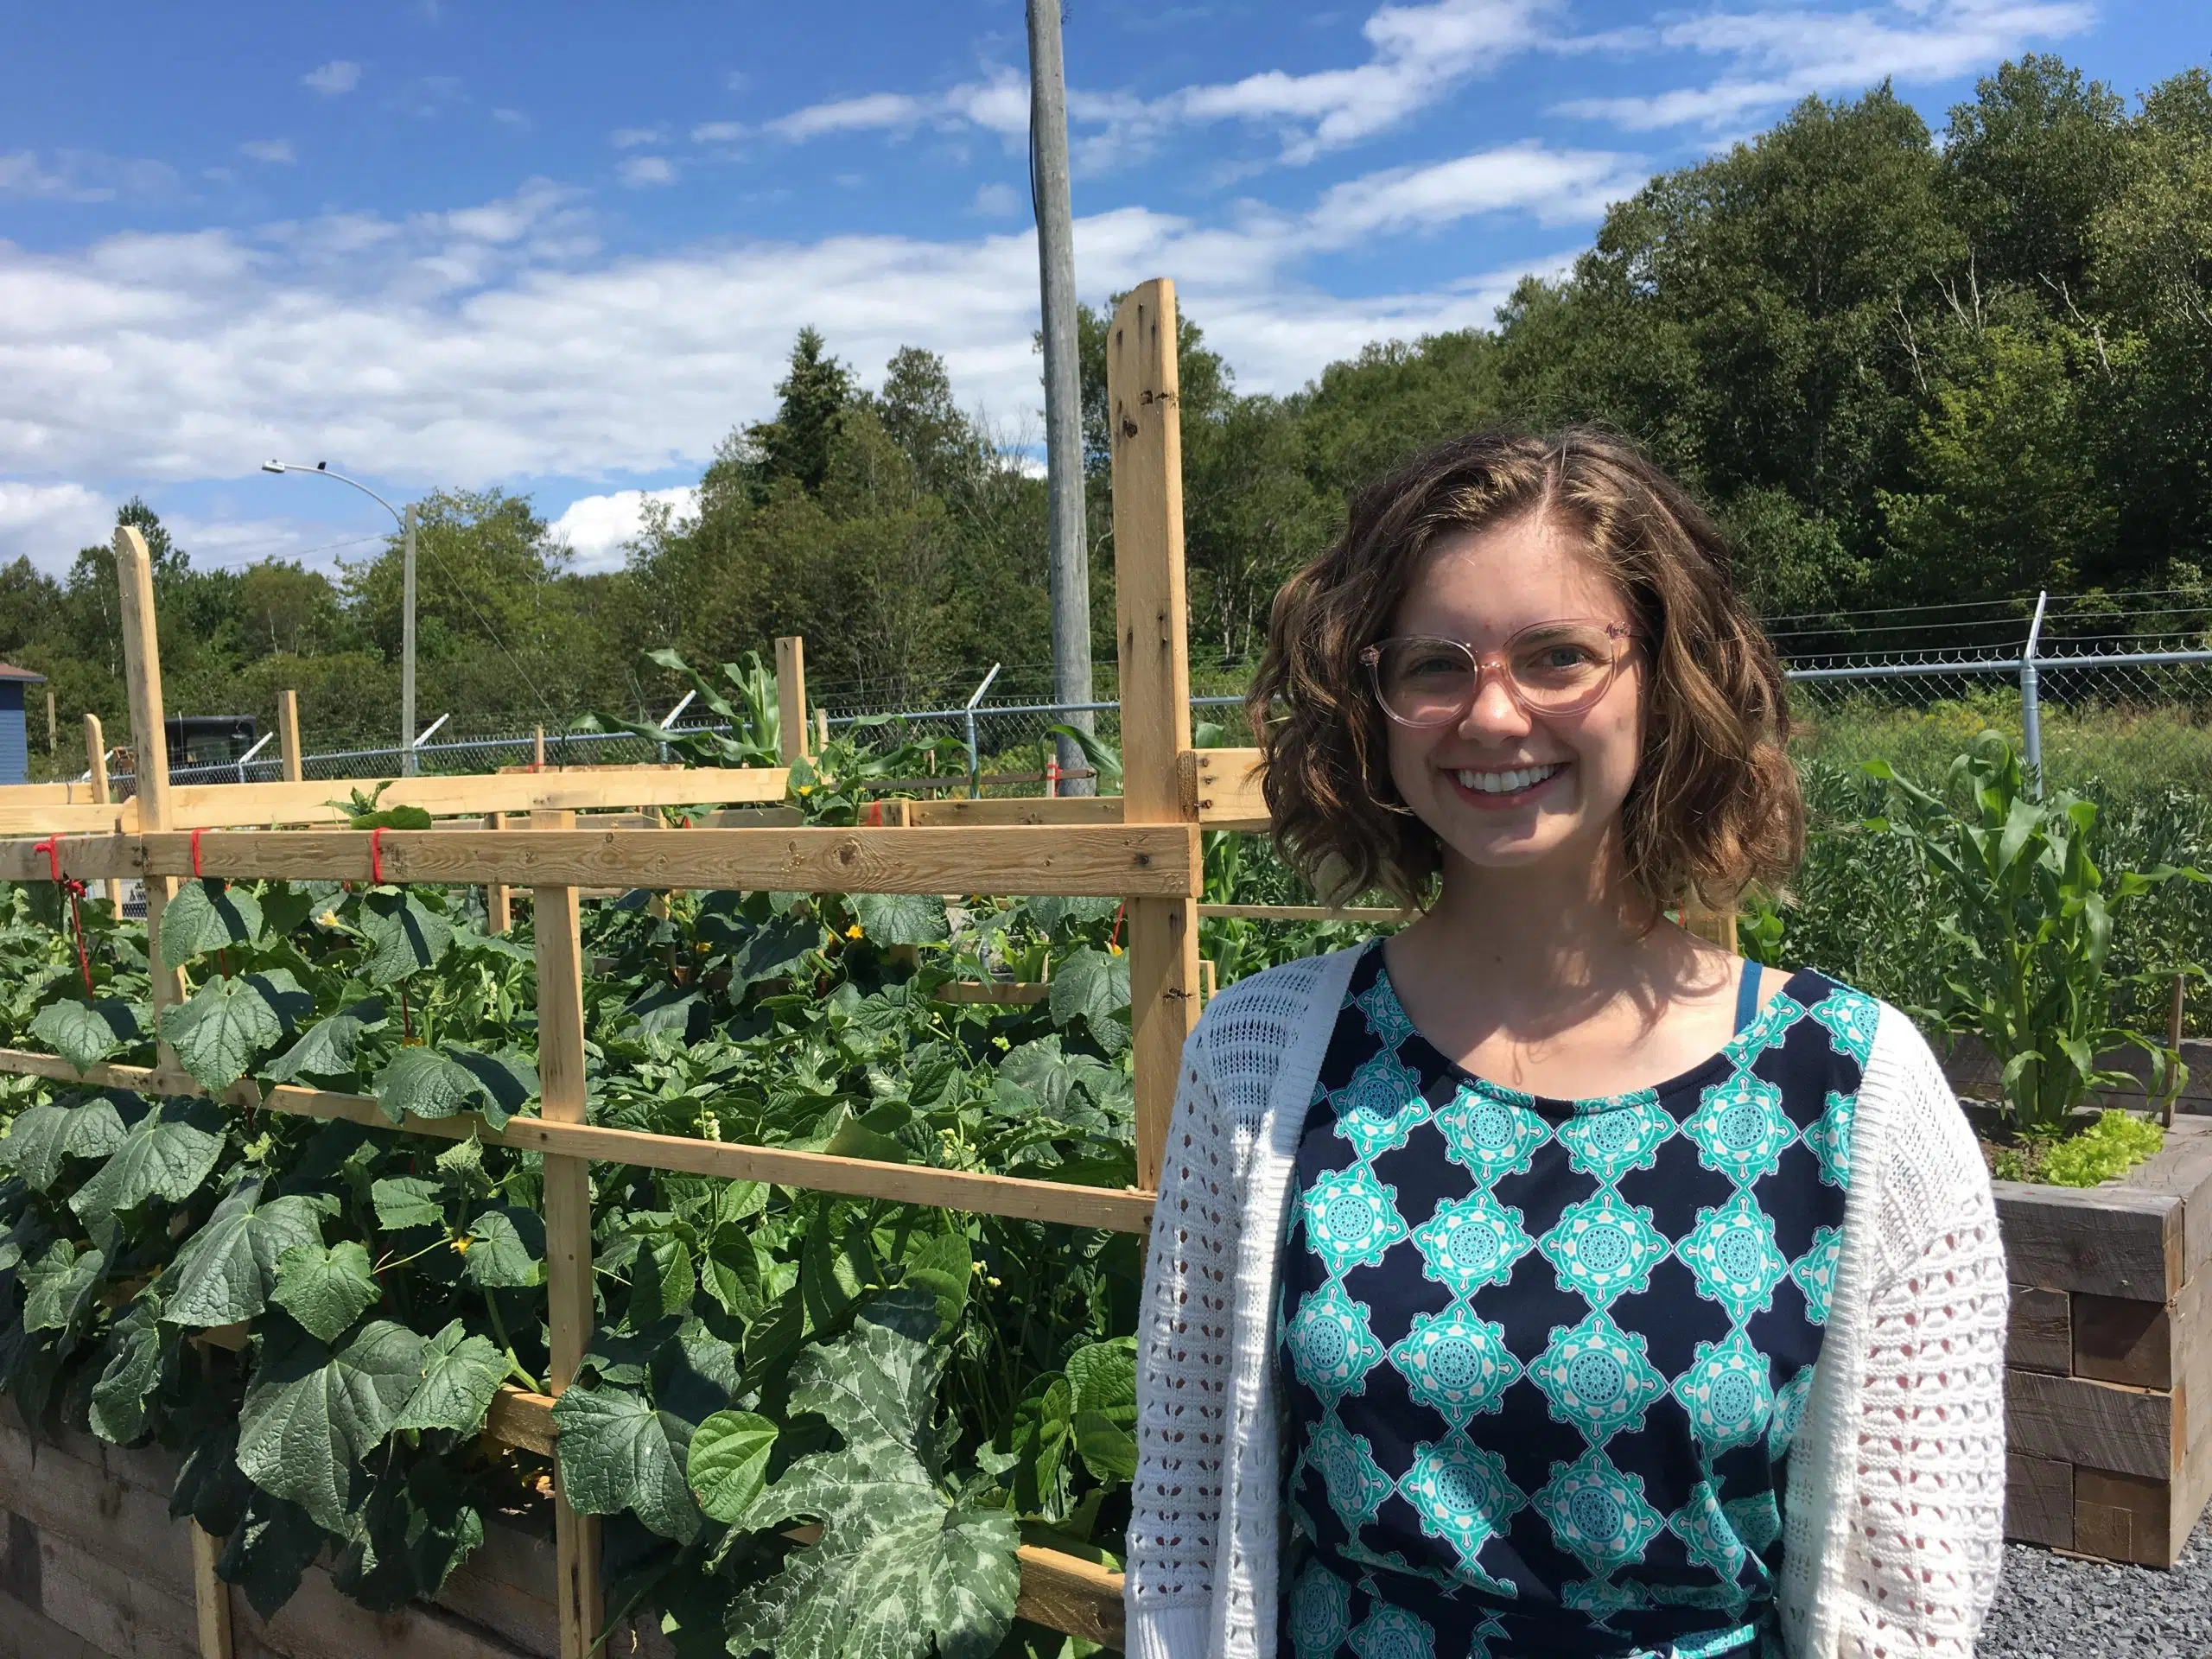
[[1507, 783]]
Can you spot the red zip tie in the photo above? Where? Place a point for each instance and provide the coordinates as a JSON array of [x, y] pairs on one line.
[[376, 857], [1115, 937], [51, 848], [195, 857]]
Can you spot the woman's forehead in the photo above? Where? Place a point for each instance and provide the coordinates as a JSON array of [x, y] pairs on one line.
[[1505, 576]]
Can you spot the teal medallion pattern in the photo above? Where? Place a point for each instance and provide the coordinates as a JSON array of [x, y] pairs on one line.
[[1544, 1359]]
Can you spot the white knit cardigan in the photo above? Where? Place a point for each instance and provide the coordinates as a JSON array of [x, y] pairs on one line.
[[1891, 1538]]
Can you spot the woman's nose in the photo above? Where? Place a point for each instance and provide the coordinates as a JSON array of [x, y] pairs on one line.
[[1495, 709]]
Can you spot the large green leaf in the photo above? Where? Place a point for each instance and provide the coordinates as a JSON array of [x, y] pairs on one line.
[[226, 1269], [166, 1155], [506, 1250], [40, 1140], [311, 1416], [461, 1374], [329, 1048], [417, 1527], [1093, 987], [729, 1462], [1102, 1380], [772, 950], [207, 915], [136, 1350], [58, 1287], [325, 1288], [898, 1565], [218, 1032], [405, 1201], [430, 1083], [406, 936], [84, 1034], [618, 1454], [902, 918], [272, 1547]]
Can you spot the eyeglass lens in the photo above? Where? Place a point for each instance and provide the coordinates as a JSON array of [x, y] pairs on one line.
[[1556, 667]]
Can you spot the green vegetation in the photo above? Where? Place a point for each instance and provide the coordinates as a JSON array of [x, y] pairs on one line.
[[1903, 371], [2105, 1151]]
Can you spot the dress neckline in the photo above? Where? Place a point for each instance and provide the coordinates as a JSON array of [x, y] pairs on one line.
[[1732, 1054]]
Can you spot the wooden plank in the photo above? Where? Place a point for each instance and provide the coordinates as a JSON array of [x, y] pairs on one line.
[[1147, 860], [1066, 1593], [521, 1418], [141, 672], [1222, 789], [2040, 1337], [1717, 926], [211, 1596], [287, 734], [2121, 1517], [571, 1307], [2099, 1425], [1152, 611], [2039, 1501], [989, 994], [2117, 1341], [1028, 808], [1304, 913], [1125, 1210], [87, 818], [498, 897], [791, 697], [2183, 1167], [2105, 1241], [210, 806], [96, 757]]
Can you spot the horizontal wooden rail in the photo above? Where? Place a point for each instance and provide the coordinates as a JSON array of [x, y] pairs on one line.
[[1144, 860], [1125, 1210], [1302, 913], [1066, 1593], [1020, 809], [991, 994]]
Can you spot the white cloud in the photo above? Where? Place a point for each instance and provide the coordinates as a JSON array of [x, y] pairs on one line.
[[339, 75], [596, 528], [718, 132], [1774, 57], [1560, 187], [85, 175], [269, 150], [49, 522], [999, 104], [996, 200], [514, 120], [631, 137], [640, 170]]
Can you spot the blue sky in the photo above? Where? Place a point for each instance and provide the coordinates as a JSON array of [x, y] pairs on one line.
[[563, 249]]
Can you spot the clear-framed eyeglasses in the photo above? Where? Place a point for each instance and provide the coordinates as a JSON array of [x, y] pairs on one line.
[[1550, 668]]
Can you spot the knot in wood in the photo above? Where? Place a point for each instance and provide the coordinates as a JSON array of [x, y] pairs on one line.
[[848, 854], [1128, 426]]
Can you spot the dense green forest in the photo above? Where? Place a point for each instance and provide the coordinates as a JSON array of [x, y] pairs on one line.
[[1904, 368]]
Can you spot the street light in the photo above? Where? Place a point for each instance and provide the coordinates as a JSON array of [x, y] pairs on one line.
[[407, 761]]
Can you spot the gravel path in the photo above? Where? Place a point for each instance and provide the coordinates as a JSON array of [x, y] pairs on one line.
[[2050, 1607]]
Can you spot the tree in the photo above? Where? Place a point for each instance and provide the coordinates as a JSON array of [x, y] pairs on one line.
[[814, 394]]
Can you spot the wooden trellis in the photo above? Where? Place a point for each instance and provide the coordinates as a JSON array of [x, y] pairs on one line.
[[1143, 847]]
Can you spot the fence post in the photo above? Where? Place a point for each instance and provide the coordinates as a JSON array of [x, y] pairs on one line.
[[96, 759], [791, 696], [1146, 436], [288, 733], [2031, 704], [570, 1308], [141, 673], [498, 897]]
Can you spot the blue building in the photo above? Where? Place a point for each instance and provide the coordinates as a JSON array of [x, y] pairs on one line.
[[15, 742]]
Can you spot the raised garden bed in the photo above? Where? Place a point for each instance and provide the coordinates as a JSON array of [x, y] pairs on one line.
[[2111, 1337]]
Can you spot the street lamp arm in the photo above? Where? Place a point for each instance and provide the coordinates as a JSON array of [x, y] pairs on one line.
[[294, 466]]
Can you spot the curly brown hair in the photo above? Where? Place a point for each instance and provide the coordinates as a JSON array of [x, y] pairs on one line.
[[1715, 806]]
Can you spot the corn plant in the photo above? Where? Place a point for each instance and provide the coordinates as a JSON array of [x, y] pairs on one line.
[[2024, 916]]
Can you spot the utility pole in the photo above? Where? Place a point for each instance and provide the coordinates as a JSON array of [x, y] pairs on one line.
[[408, 764], [1050, 200]]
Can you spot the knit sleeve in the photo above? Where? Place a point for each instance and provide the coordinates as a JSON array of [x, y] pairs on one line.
[[1183, 1375], [1928, 1504]]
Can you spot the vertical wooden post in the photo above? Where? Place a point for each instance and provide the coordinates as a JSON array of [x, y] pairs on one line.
[[537, 751], [791, 696], [568, 1224], [96, 755], [498, 897], [288, 733], [52, 730], [821, 730], [211, 1595], [1152, 624], [142, 674]]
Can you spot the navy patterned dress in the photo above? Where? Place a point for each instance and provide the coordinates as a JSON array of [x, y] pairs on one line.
[[1543, 1359]]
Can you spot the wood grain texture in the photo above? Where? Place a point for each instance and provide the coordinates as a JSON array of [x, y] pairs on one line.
[[2099, 1425], [518, 1417], [2039, 1501], [96, 753], [1067, 1593], [2183, 1167], [2122, 1517], [791, 696], [2105, 1241], [498, 897], [990, 995], [2040, 1337], [212, 805], [2118, 1341], [1304, 913], [287, 734], [1031, 809], [1222, 789], [141, 677], [1149, 861]]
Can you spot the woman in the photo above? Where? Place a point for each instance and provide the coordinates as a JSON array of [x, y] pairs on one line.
[[1545, 1279]]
